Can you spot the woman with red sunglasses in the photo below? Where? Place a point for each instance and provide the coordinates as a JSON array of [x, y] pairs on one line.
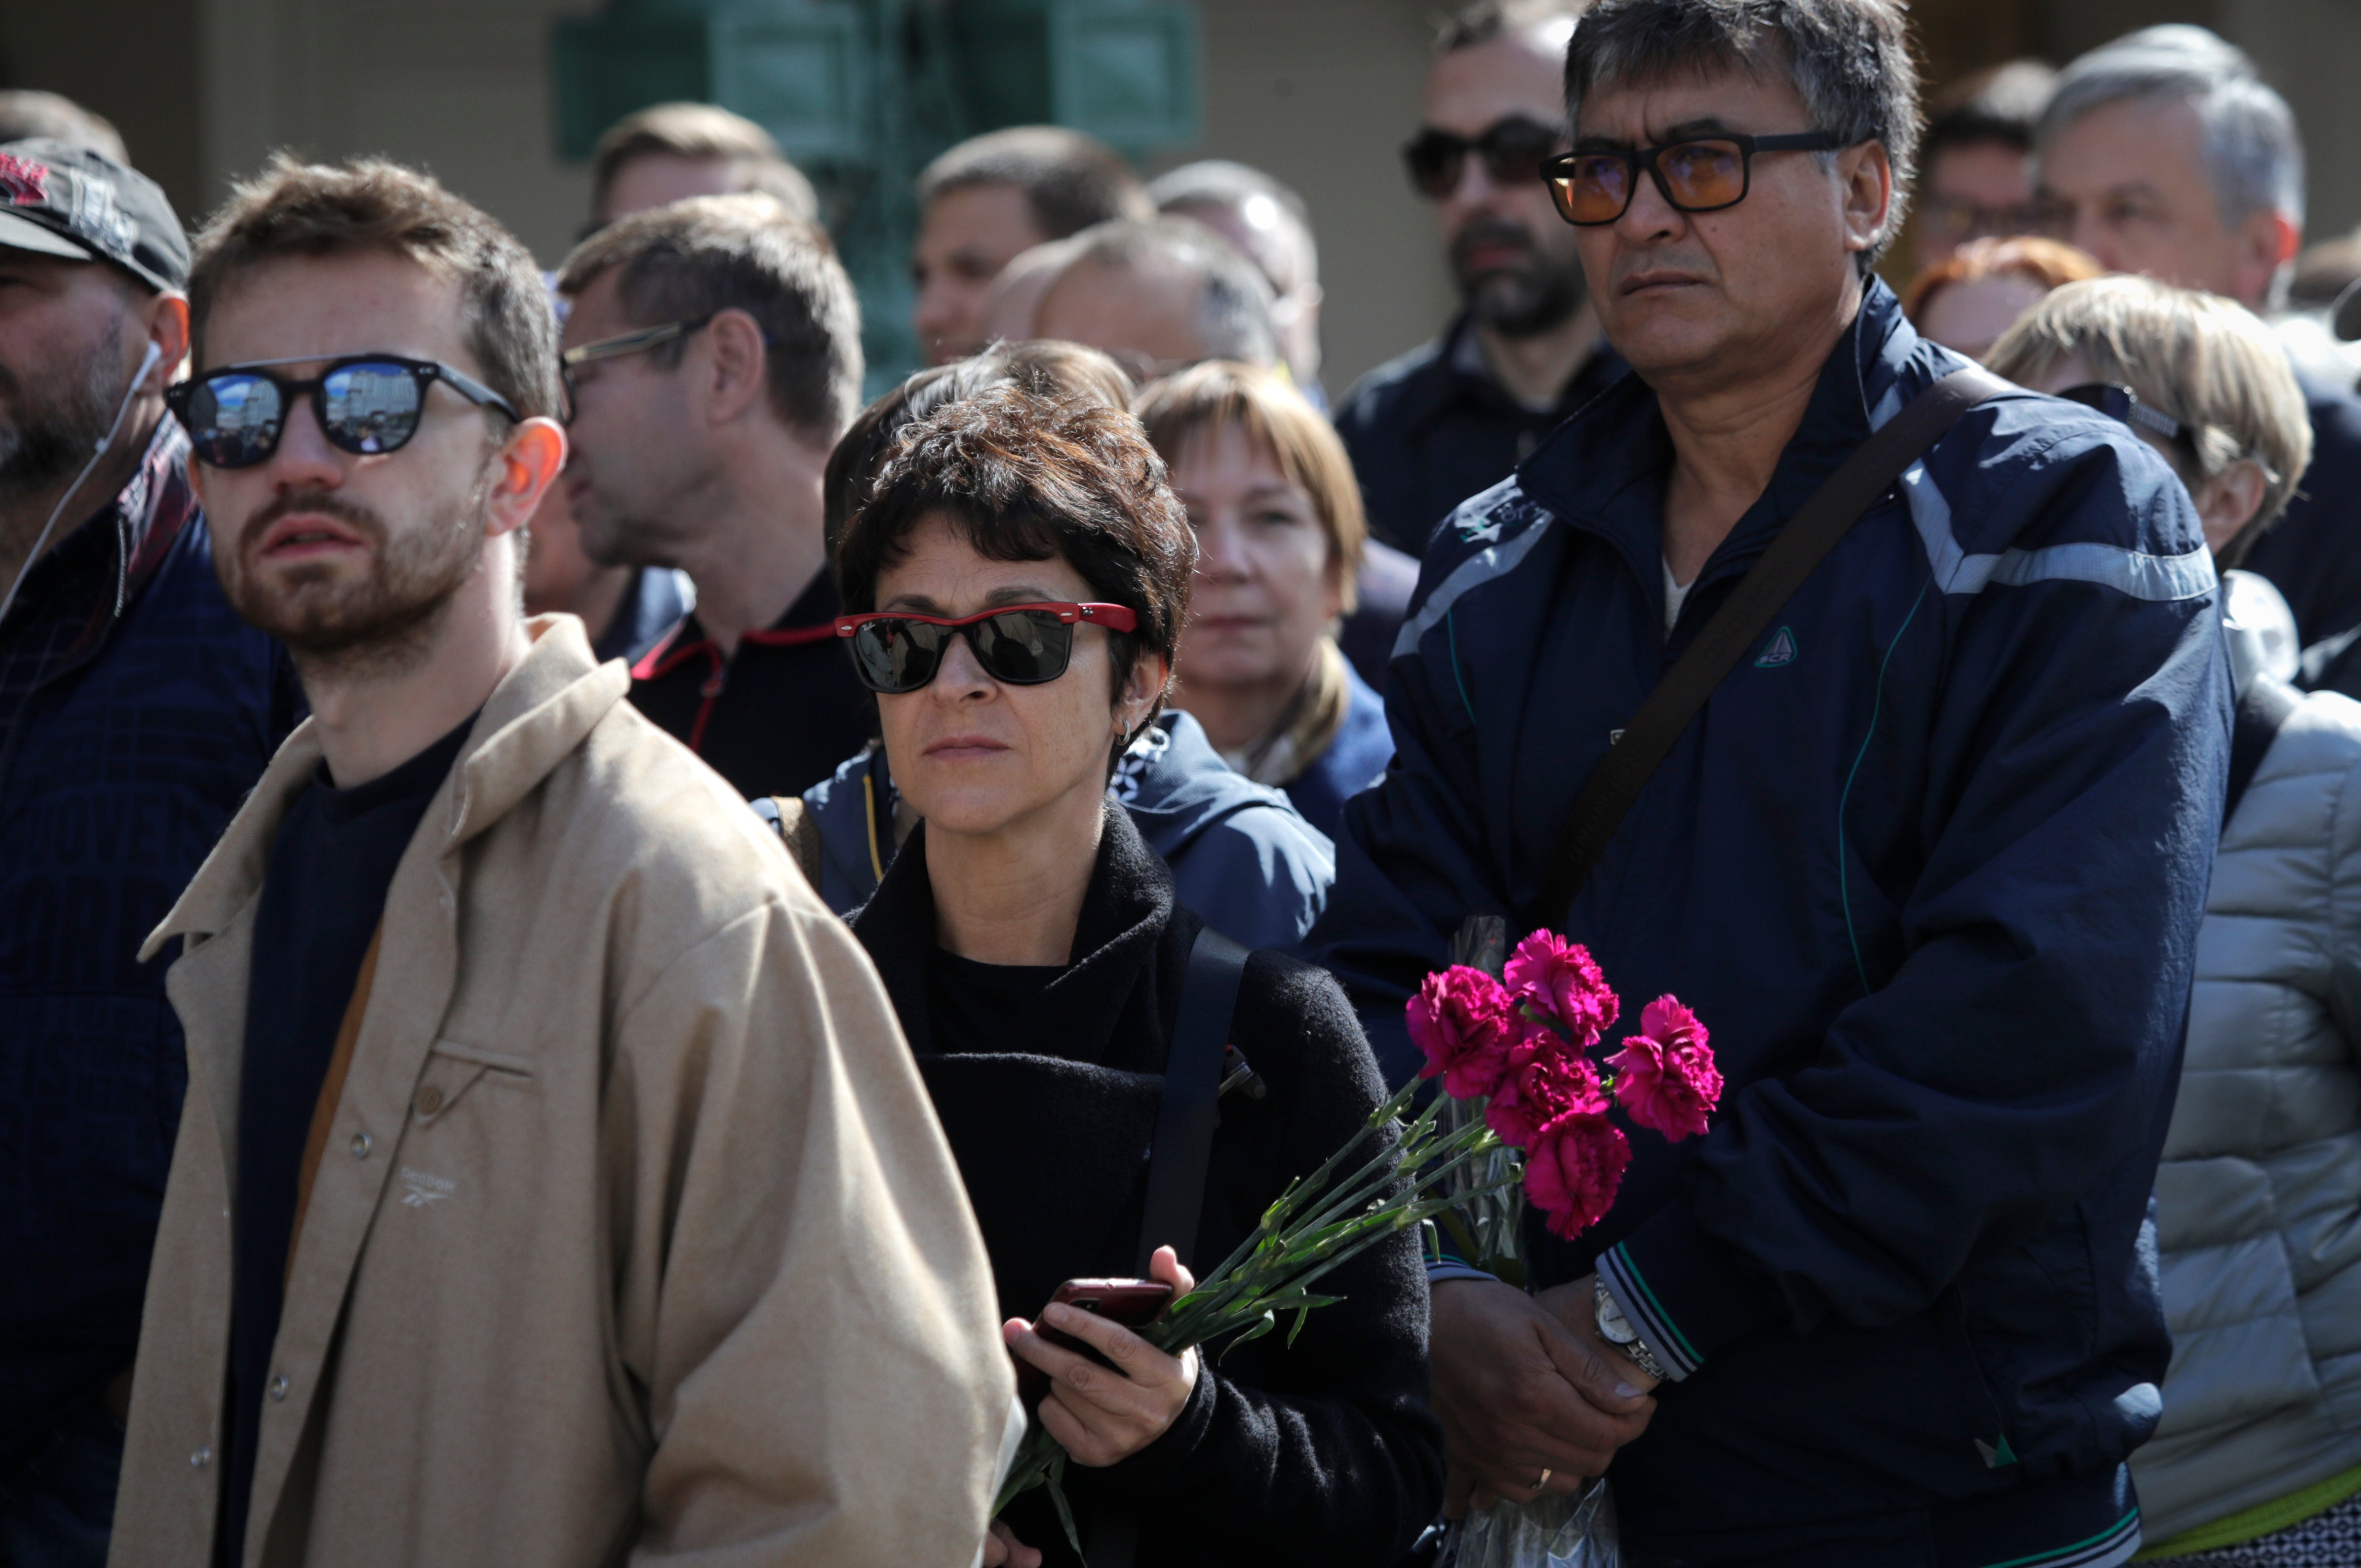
[[1017, 582]]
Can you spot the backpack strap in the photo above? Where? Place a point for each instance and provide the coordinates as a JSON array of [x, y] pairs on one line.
[[1183, 1148], [1179, 1158], [1800, 546], [796, 828], [2263, 712], [332, 1091]]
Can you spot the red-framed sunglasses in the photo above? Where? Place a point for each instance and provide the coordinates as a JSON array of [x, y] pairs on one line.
[[1018, 644]]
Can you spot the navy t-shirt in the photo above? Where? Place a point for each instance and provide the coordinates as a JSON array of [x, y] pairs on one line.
[[321, 898]]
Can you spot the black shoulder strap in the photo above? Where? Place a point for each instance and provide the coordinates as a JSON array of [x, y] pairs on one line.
[[1193, 1080], [2268, 704], [1801, 546], [1178, 1160]]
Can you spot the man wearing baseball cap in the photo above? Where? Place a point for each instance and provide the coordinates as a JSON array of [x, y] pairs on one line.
[[136, 711]]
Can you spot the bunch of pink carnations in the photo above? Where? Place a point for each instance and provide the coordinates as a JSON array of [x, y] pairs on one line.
[[1520, 1046]]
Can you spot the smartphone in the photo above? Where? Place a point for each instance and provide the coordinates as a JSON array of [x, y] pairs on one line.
[[1131, 1302]]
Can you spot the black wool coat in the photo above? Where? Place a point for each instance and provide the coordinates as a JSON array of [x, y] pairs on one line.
[[1325, 1452]]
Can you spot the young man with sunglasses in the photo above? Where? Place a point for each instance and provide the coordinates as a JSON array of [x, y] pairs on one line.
[[552, 1184], [1449, 418], [712, 357], [1924, 840], [136, 711]]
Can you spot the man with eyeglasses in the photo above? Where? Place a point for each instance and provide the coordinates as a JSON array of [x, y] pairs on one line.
[[712, 357], [136, 711], [553, 1185], [2166, 153], [1920, 826], [1431, 428], [1976, 162]]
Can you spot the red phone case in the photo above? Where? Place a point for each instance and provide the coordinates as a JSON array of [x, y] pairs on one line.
[[1131, 1302]]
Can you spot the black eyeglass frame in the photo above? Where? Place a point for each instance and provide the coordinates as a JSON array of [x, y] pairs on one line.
[[1557, 172], [2120, 403], [423, 373], [1456, 147]]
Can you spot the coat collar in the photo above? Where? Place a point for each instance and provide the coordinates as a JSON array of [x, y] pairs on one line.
[[1127, 912], [540, 712], [1604, 472]]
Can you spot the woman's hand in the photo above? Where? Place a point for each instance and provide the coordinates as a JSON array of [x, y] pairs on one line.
[[1097, 1415], [1002, 1549]]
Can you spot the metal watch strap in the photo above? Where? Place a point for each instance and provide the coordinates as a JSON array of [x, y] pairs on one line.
[[1602, 1304]]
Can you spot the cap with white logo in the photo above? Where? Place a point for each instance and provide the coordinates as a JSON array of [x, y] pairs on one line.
[[62, 199]]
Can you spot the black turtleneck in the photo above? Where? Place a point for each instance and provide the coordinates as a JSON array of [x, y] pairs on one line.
[[1047, 1082]]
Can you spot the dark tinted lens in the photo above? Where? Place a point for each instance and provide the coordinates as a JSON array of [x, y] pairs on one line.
[[898, 656], [1434, 161], [1703, 175], [1592, 188], [369, 408], [1025, 647], [1513, 151], [234, 420]]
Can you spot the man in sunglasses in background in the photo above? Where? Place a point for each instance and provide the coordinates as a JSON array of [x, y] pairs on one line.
[[1924, 846], [136, 711], [1453, 416], [712, 358], [552, 1168]]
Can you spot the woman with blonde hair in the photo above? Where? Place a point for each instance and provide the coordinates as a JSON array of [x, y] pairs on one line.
[[1271, 495], [1967, 299], [2257, 1461]]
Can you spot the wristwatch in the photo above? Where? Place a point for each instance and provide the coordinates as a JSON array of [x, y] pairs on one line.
[[1616, 1331]]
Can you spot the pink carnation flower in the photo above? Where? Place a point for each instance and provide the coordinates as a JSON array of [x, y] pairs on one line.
[[1549, 1083], [1462, 1020], [1573, 1170], [1666, 1075], [1558, 979]]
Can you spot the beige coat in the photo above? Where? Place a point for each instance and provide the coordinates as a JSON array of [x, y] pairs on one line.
[[635, 1236]]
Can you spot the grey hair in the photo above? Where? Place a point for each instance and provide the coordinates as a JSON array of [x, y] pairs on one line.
[[1234, 300], [1219, 182], [2254, 154], [1849, 61]]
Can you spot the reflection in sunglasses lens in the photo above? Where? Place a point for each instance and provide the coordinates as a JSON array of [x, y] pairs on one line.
[[370, 408], [238, 419]]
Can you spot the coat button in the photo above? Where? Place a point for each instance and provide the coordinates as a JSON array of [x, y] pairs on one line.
[[201, 1458], [360, 1146], [430, 1100], [279, 1386]]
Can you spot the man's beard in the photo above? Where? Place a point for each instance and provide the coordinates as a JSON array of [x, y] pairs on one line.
[[50, 427], [383, 624], [1524, 300]]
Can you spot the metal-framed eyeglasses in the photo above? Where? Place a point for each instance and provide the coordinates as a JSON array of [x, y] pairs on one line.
[[637, 341], [1594, 186]]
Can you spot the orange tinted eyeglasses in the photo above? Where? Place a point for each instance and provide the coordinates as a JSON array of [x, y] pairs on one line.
[[1696, 174]]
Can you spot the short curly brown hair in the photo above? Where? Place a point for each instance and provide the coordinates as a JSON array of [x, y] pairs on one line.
[[1031, 478]]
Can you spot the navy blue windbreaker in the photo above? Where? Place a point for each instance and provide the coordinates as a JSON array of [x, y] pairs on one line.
[[1930, 866]]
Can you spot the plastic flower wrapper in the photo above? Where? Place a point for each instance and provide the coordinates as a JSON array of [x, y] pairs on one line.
[[1510, 1039]]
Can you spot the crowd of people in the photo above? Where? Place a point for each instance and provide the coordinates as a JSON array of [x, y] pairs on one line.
[[593, 932]]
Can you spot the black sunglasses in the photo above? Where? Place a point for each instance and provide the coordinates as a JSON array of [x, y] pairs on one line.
[[366, 404], [1512, 151], [1018, 644], [1697, 174], [2120, 403]]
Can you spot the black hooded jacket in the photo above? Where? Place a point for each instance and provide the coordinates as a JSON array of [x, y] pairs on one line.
[[1325, 1452]]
